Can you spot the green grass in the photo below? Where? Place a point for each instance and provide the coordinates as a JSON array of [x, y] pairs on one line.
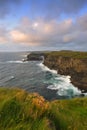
[[73, 54], [20, 110]]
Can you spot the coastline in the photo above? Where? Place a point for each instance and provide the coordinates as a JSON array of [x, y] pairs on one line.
[[63, 88], [66, 63]]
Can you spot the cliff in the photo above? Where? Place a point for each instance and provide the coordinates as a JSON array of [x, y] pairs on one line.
[[69, 63], [20, 110], [35, 56]]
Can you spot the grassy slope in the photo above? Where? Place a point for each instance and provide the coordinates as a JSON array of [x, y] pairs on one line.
[[20, 110], [73, 54]]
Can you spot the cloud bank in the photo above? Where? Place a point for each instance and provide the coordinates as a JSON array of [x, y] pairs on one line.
[[6, 7], [57, 24], [49, 34], [48, 9], [55, 8]]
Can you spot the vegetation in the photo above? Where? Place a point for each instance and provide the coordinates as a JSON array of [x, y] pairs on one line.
[[73, 54], [20, 110]]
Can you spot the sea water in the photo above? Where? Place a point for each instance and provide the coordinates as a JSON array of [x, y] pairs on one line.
[[34, 76]]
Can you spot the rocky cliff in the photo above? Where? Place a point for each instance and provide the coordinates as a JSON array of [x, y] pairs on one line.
[[34, 56], [69, 63]]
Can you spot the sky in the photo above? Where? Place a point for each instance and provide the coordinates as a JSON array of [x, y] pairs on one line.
[[35, 25]]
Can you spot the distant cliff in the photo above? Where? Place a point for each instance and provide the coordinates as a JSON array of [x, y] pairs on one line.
[[34, 56], [69, 63]]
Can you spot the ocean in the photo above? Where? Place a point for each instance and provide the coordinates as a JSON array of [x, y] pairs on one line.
[[33, 76]]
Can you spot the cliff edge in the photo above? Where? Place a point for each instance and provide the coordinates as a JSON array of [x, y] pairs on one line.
[[69, 63], [20, 110]]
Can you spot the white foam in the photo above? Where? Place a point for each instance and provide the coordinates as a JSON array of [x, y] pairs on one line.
[[64, 78], [61, 83], [85, 94], [12, 77], [62, 92], [16, 61], [53, 87], [24, 55], [64, 87], [45, 68]]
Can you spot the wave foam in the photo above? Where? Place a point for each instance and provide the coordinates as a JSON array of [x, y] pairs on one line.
[[60, 83], [85, 94], [45, 68], [66, 79], [16, 61], [65, 89]]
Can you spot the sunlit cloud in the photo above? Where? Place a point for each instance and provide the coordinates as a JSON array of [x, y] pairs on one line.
[[4, 37], [41, 33]]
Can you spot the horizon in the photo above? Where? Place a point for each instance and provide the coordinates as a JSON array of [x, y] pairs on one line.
[[22, 51], [36, 25]]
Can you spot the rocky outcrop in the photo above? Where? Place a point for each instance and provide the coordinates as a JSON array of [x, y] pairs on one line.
[[67, 65], [35, 57]]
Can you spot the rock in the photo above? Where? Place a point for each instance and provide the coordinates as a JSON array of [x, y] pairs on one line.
[[69, 65], [35, 57]]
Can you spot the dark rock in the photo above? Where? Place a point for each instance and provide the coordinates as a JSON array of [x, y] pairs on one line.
[[75, 67], [35, 57], [82, 95]]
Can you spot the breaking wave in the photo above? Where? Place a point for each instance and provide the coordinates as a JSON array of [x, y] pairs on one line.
[[45, 68], [60, 83], [18, 61]]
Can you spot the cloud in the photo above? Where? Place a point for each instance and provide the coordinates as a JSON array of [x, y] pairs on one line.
[[40, 33], [72, 6], [18, 36], [82, 22], [27, 39], [48, 9], [53, 33], [3, 35], [6, 7], [3, 40], [52, 9]]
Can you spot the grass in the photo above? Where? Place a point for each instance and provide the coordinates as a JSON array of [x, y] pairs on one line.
[[20, 110], [73, 54]]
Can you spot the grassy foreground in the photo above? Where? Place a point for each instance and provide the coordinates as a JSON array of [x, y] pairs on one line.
[[20, 110]]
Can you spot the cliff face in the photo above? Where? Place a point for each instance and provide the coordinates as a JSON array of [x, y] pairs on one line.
[[66, 63], [75, 67], [35, 57]]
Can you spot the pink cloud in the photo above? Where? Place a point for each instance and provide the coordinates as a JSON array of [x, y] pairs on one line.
[[42, 33]]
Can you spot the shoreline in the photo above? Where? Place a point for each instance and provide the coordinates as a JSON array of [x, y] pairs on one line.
[[83, 92], [76, 68], [66, 63]]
